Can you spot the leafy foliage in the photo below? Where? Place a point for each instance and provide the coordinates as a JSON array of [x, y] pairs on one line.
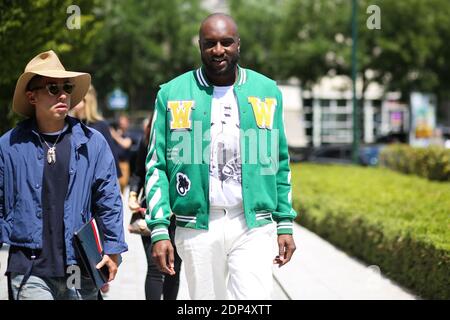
[[307, 43], [432, 163], [144, 44], [409, 52], [28, 27], [137, 45], [259, 25], [397, 222]]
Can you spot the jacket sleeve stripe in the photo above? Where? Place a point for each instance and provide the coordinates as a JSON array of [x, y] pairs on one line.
[[152, 161], [154, 200], [151, 147], [158, 204], [154, 177], [159, 214], [152, 181], [284, 214], [159, 231], [155, 115]]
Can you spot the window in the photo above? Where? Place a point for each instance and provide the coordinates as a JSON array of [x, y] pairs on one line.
[[342, 103], [307, 102], [324, 102]]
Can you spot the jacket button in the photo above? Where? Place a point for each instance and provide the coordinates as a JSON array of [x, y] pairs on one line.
[[37, 185], [71, 171], [39, 214]]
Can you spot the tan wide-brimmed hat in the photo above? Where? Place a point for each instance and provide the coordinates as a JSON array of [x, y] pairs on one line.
[[47, 64]]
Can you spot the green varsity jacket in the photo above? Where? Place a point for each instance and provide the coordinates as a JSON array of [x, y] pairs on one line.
[[177, 164]]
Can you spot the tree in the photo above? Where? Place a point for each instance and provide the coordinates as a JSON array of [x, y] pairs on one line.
[[144, 44], [409, 52], [315, 40], [402, 52], [135, 45], [28, 27], [259, 26]]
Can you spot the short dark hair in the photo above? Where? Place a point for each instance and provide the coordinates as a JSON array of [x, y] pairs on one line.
[[33, 82]]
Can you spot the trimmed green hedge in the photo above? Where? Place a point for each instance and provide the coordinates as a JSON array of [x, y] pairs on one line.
[[432, 162], [398, 222]]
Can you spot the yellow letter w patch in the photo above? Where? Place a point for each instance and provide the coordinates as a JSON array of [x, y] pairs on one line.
[[181, 114], [264, 111]]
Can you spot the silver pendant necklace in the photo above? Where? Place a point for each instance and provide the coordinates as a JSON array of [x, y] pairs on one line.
[[51, 152]]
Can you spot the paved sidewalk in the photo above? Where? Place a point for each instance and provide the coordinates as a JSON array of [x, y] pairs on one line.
[[318, 270], [129, 283], [3, 284]]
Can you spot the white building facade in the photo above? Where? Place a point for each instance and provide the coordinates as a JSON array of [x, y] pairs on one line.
[[324, 114]]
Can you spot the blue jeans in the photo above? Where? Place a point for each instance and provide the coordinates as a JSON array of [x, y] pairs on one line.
[[45, 288]]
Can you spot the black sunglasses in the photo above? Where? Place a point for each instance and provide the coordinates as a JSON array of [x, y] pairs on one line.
[[55, 89]]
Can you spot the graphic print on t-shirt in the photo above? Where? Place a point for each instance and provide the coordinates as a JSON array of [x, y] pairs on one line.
[[225, 157], [225, 168]]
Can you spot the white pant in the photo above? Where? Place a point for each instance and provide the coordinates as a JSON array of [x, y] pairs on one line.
[[228, 261]]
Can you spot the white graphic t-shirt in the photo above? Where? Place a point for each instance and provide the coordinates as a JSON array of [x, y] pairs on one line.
[[225, 188]]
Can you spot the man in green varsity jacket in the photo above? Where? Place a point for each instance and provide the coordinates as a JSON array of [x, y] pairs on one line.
[[218, 160]]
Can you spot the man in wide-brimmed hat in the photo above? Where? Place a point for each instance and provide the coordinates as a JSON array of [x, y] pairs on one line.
[[55, 173]]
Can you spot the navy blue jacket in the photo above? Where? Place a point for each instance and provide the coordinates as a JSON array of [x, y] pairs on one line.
[[92, 189]]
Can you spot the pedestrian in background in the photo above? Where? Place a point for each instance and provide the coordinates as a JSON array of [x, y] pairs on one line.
[[87, 112], [123, 144], [156, 282]]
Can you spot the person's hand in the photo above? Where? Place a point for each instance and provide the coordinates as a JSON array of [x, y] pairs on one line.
[[114, 133], [133, 201], [163, 255], [124, 142], [112, 263], [286, 248]]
